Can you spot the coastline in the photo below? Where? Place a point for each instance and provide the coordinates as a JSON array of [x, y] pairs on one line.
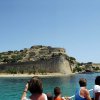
[[32, 75]]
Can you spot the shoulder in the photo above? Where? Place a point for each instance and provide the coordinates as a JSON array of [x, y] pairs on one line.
[[96, 88], [87, 94], [86, 91], [44, 96]]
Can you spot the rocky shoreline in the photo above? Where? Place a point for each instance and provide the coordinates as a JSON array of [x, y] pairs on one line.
[[32, 75]]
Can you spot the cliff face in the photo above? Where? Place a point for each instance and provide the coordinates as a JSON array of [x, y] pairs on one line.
[[37, 59]]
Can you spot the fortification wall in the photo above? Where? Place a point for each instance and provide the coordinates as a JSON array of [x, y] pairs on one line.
[[55, 64], [96, 65]]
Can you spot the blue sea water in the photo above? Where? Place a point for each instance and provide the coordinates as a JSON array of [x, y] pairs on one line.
[[12, 88]]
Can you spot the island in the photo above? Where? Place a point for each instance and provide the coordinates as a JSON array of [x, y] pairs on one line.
[[41, 59]]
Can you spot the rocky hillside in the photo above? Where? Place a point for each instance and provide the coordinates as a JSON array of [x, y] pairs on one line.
[[37, 59], [32, 54]]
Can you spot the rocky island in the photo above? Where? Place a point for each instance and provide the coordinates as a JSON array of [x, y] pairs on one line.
[[41, 59]]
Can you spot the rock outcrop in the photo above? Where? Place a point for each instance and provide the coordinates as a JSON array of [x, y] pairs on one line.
[[37, 59]]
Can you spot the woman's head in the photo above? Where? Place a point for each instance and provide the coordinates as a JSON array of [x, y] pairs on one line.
[[97, 80], [82, 82], [35, 85], [57, 91]]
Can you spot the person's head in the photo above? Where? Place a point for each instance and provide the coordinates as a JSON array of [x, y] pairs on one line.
[[35, 85], [97, 80], [82, 82], [57, 91]]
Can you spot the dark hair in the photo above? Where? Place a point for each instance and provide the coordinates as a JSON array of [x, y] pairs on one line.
[[82, 82], [57, 91], [97, 80], [35, 85]]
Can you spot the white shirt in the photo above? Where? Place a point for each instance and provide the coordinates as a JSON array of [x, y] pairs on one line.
[[96, 88]]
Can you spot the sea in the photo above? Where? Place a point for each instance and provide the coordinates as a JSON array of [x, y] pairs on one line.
[[11, 88]]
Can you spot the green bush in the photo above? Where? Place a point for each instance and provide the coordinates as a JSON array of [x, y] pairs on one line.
[[12, 71]]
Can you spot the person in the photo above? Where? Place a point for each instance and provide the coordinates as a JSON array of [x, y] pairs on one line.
[[57, 93], [96, 88], [82, 93], [34, 86]]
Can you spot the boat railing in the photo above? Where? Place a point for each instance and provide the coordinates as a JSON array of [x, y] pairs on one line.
[[73, 96]]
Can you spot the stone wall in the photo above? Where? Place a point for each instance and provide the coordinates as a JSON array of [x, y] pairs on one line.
[[55, 64], [96, 65]]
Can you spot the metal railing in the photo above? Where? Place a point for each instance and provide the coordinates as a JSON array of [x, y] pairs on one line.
[[73, 96]]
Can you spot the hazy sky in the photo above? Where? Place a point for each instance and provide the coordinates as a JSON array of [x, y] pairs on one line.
[[70, 24]]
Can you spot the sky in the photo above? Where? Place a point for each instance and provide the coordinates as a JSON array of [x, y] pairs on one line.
[[70, 24]]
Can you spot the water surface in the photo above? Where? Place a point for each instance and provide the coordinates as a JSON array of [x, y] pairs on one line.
[[12, 88]]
